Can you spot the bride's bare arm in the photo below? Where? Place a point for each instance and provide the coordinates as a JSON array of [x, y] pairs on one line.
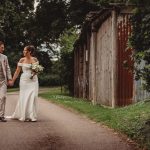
[[17, 72]]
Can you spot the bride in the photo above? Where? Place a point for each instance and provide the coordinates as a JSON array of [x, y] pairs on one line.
[[27, 102]]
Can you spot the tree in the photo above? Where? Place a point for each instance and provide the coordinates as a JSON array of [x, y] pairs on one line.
[[140, 42], [14, 17], [66, 59], [18, 28], [78, 9], [44, 58], [51, 20]]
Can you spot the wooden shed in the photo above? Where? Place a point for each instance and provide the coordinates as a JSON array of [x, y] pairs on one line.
[[99, 56]]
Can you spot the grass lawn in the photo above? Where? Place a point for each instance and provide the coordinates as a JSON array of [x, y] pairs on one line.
[[12, 89], [133, 120]]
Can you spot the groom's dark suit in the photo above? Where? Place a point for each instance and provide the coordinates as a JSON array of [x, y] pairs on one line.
[[5, 75]]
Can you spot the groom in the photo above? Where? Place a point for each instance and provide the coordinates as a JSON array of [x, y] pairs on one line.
[[5, 78]]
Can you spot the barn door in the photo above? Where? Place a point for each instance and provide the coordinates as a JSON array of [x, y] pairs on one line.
[[125, 75]]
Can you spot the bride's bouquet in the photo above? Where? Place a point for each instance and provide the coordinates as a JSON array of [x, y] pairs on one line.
[[36, 68]]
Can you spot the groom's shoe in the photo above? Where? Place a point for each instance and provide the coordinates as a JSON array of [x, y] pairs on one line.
[[2, 119]]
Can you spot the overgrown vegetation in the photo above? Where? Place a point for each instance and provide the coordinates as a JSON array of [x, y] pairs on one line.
[[17, 29], [133, 120], [140, 42], [66, 59]]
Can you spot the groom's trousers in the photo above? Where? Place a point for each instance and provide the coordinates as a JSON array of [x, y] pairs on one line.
[[3, 90]]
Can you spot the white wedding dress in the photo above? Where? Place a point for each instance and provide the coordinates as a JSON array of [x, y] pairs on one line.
[[26, 107]]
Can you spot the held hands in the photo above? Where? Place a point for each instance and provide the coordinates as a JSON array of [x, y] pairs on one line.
[[10, 83]]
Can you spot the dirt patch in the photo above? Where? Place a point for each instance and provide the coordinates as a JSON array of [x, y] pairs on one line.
[[48, 143]]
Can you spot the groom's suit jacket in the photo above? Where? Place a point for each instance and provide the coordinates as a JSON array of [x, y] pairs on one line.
[[5, 67]]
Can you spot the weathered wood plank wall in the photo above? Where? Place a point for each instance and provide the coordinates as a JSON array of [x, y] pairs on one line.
[[104, 63], [99, 73]]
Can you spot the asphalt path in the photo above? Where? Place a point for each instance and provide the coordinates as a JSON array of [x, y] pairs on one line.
[[57, 129]]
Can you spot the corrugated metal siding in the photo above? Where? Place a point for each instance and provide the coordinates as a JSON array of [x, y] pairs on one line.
[[125, 75], [140, 93]]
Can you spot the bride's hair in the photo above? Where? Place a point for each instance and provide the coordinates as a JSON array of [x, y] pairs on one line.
[[31, 49], [1, 43]]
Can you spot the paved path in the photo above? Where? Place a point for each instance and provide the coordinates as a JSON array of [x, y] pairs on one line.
[[57, 129]]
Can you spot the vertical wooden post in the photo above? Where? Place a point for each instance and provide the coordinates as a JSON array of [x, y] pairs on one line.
[[93, 65], [75, 71], [87, 63], [84, 70], [114, 58]]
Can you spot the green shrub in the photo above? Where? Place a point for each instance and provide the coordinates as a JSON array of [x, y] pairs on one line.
[[49, 80]]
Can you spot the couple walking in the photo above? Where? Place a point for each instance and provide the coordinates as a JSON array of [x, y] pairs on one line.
[[26, 106]]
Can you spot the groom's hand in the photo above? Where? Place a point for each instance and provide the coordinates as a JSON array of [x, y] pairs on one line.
[[10, 83]]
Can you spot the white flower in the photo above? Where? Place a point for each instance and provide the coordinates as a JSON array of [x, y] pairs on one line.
[[36, 68]]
